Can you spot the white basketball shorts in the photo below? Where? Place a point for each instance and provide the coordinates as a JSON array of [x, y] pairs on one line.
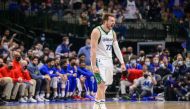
[[106, 69]]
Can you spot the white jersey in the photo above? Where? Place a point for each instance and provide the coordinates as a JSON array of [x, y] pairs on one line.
[[105, 44]]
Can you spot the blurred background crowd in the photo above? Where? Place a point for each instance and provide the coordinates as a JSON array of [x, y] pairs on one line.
[[43, 58]]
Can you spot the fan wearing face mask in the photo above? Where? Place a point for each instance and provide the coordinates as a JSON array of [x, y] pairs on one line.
[[162, 70], [155, 64], [86, 51], [179, 67], [6, 81], [133, 64], [146, 83], [148, 64], [64, 48]]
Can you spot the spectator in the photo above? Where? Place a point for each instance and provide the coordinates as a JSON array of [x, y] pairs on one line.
[[23, 81], [83, 22], [132, 12], [41, 80], [148, 64], [86, 51], [63, 49], [6, 81], [159, 52], [127, 79], [127, 58], [141, 57], [155, 65], [167, 64], [163, 70], [133, 64], [146, 83]]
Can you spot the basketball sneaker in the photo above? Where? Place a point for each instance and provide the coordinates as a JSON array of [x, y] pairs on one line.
[[99, 105]]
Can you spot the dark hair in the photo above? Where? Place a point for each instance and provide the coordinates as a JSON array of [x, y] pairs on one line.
[[72, 58], [63, 61], [106, 16], [49, 60], [34, 57], [82, 62], [82, 55]]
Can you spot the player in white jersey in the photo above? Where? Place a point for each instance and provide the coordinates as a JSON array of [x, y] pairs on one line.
[[103, 39]]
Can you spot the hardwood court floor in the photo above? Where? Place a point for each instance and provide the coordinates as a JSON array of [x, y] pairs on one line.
[[110, 105]]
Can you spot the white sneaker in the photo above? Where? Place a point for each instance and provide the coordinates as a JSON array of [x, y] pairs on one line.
[[39, 99], [45, 100], [26, 98], [32, 100], [99, 105], [22, 100]]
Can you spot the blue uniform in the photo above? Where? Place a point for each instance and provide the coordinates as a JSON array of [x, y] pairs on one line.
[[45, 70], [71, 79], [90, 82]]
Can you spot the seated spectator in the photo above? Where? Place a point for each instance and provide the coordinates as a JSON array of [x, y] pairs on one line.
[[22, 82], [167, 64], [148, 64], [41, 80], [127, 79], [133, 64], [163, 70], [6, 81], [155, 64], [63, 49], [141, 57], [179, 68], [86, 51], [129, 54], [146, 83]]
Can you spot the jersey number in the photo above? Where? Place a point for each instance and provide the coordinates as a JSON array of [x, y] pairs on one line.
[[108, 47]]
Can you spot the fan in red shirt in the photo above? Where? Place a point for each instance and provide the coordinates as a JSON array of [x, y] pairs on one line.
[[21, 78], [128, 78], [6, 82], [16, 61]]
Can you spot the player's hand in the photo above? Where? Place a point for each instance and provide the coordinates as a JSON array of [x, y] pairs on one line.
[[95, 69], [123, 67]]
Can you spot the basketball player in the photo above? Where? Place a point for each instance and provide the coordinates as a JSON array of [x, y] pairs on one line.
[[103, 38]]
